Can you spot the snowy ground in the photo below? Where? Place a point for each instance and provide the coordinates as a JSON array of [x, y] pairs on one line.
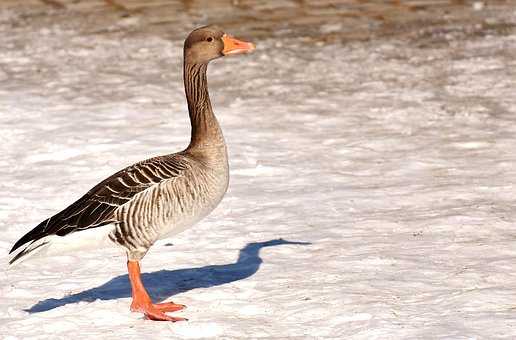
[[393, 156]]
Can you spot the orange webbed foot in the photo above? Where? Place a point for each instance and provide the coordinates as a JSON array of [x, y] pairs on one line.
[[157, 311], [142, 302], [157, 315], [169, 306]]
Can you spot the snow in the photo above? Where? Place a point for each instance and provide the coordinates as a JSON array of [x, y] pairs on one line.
[[372, 183]]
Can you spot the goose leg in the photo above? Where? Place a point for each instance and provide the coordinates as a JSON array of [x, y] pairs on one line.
[[142, 302]]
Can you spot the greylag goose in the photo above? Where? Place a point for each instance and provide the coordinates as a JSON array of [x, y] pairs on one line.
[[157, 197]]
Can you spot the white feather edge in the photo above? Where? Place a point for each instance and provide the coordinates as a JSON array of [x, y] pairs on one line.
[[93, 238]]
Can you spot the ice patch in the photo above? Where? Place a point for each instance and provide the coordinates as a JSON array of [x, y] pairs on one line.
[[351, 318], [197, 330], [259, 170]]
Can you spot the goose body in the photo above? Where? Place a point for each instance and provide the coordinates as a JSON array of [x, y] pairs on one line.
[[155, 198], [135, 207]]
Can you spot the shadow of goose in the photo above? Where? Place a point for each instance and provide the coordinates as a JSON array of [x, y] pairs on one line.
[[165, 283]]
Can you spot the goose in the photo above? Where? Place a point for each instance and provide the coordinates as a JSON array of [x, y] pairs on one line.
[[155, 198]]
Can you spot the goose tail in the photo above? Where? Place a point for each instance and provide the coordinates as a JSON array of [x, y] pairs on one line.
[[28, 250], [45, 244]]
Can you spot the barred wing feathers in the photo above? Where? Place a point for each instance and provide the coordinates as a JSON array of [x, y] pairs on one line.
[[96, 208]]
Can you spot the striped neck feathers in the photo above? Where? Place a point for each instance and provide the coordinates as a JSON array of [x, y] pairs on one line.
[[206, 131]]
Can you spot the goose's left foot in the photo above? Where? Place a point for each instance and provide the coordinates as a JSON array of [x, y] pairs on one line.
[[163, 317]]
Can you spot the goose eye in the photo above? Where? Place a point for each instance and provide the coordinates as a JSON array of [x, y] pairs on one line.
[[210, 39]]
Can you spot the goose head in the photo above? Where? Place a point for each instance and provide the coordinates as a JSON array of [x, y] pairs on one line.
[[210, 42]]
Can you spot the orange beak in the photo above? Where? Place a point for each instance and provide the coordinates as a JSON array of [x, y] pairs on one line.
[[235, 46]]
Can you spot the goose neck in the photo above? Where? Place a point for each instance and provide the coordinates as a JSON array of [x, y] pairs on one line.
[[206, 131]]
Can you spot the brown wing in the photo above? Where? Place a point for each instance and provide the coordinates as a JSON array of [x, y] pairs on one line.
[[96, 207]]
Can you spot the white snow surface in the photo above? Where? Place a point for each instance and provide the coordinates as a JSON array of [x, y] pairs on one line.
[[396, 162]]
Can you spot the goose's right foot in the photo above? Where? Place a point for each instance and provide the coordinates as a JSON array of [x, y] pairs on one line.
[[152, 312], [142, 302], [169, 306]]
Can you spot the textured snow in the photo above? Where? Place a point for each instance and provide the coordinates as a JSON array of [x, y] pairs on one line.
[[372, 187]]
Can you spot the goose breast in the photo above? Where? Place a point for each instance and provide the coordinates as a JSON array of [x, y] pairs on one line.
[[171, 206]]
